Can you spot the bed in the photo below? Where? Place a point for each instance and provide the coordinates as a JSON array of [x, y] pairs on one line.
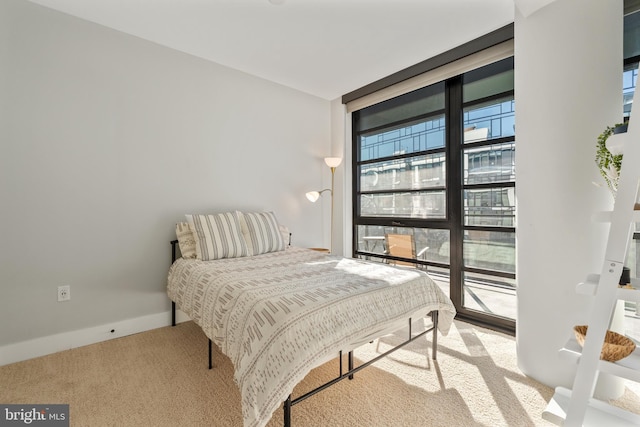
[[278, 315]]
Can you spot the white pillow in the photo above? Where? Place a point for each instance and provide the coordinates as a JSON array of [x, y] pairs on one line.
[[261, 232], [286, 234], [186, 240], [218, 236]]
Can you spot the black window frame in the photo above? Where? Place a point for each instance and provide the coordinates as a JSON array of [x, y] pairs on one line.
[[454, 131], [454, 187]]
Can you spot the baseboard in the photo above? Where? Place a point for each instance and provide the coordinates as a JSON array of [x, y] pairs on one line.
[[37, 347]]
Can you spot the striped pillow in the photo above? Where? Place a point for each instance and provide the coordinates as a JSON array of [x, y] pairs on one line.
[[261, 232], [218, 236]]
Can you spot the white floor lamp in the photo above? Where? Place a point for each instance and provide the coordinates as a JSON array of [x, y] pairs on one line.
[[313, 196]]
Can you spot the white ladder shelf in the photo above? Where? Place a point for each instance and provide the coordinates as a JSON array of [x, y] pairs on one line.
[[577, 407]]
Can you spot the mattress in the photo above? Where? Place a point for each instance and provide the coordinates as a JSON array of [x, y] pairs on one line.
[[279, 315]]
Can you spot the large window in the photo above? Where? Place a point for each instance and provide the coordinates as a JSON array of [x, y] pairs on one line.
[[434, 187], [488, 190]]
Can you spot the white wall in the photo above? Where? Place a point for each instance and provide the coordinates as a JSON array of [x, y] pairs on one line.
[[106, 141], [568, 84]]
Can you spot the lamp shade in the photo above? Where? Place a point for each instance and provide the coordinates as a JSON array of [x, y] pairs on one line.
[[333, 162], [313, 196]]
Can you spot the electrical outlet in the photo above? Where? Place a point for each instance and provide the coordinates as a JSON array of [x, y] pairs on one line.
[[64, 293]]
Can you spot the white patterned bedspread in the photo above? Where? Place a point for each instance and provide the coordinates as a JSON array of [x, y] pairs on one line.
[[281, 314]]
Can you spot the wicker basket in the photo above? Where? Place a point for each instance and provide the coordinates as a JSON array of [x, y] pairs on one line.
[[615, 346]]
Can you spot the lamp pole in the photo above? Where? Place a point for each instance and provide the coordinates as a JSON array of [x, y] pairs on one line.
[[333, 163], [333, 172], [312, 196]]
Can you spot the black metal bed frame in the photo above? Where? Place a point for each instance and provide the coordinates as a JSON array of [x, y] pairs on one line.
[[351, 370]]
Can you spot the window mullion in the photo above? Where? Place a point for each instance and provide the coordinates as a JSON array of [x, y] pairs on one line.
[[453, 119]]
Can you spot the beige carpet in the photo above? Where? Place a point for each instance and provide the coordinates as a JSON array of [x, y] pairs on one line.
[[160, 378]]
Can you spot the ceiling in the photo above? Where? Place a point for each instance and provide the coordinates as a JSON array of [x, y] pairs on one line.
[[322, 47]]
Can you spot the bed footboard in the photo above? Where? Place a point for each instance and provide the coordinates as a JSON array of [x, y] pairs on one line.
[[352, 370]]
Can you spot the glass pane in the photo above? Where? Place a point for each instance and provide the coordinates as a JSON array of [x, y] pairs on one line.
[[489, 120], [633, 257], [490, 294], [423, 204], [413, 104], [488, 164], [631, 38], [491, 250], [490, 207], [629, 81], [441, 277], [414, 137], [404, 174], [422, 243], [489, 80]]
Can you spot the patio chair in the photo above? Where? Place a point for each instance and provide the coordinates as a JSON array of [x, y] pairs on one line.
[[403, 245]]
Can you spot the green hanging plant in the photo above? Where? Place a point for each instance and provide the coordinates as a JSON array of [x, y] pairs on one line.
[[609, 164]]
